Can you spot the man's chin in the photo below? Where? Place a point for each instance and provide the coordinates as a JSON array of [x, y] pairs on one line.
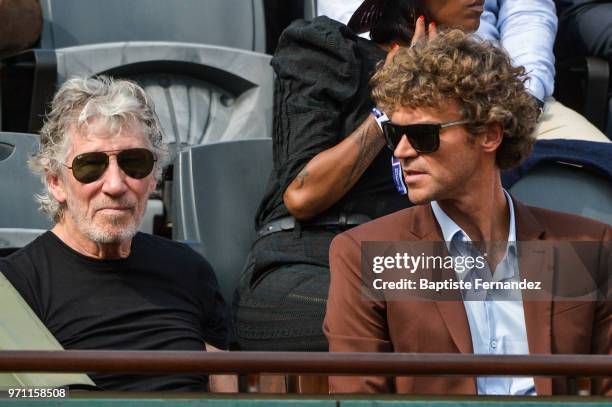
[[114, 218], [419, 198], [111, 233]]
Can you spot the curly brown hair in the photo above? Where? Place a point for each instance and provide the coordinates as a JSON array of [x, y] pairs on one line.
[[476, 74]]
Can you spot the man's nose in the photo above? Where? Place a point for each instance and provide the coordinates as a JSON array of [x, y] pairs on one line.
[[114, 179], [404, 149]]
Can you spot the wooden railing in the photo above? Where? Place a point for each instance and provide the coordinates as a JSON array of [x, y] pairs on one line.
[[296, 372], [394, 364]]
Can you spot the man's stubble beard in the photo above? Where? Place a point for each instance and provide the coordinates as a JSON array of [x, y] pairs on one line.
[[90, 228]]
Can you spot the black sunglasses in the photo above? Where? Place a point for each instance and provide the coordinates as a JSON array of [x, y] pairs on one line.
[[423, 137], [135, 162]]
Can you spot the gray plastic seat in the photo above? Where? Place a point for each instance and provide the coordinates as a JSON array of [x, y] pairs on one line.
[[20, 219], [228, 23], [566, 188], [310, 9], [217, 189], [202, 93], [195, 58], [18, 183]]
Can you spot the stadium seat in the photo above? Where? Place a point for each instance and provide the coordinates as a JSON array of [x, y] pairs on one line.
[[20, 219], [195, 59], [572, 176], [217, 189], [19, 183], [202, 93], [310, 9], [566, 188], [583, 84], [20, 329], [228, 23]]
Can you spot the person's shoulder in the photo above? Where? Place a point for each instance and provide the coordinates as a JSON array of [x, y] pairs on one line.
[[567, 226], [323, 59], [25, 268], [22, 258], [321, 26], [320, 38]]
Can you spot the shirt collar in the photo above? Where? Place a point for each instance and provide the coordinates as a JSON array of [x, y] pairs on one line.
[[450, 229], [452, 232]]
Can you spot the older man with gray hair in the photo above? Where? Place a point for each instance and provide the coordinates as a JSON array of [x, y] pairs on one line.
[[93, 279]]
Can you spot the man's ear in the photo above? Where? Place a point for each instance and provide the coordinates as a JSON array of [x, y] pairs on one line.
[[56, 186], [493, 137]]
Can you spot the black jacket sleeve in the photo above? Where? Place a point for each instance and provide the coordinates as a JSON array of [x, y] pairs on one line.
[[318, 69]]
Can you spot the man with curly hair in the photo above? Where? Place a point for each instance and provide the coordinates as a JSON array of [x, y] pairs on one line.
[[459, 114]]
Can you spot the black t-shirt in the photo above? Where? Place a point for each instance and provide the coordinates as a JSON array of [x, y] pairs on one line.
[[163, 296]]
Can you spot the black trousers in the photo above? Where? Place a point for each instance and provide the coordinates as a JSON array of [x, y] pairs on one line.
[[585, 27], [280, 301]]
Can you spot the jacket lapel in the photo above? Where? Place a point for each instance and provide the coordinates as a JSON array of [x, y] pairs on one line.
[[425, 227], [536, 263], [455, 318]]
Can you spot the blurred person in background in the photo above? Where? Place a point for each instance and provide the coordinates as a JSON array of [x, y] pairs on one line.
[[20, 25], [526, 29], [585, 29]]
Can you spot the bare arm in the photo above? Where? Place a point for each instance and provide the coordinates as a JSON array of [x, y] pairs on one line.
[[221, 383], [329, 175]]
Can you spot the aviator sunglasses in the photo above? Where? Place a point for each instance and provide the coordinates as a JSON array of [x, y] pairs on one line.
[[423, 137], [135, 162]]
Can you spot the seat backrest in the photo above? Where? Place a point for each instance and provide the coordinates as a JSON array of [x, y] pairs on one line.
[[229, 23], [20, 329], [202, 93], [13, 239], [566, 188], [310, 9], [18, 185], [217, 189], [583, 84]]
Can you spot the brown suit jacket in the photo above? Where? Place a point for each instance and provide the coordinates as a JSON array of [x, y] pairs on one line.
[[353, 324]]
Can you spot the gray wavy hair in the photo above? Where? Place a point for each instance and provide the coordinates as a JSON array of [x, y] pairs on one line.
[[114, 103]]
